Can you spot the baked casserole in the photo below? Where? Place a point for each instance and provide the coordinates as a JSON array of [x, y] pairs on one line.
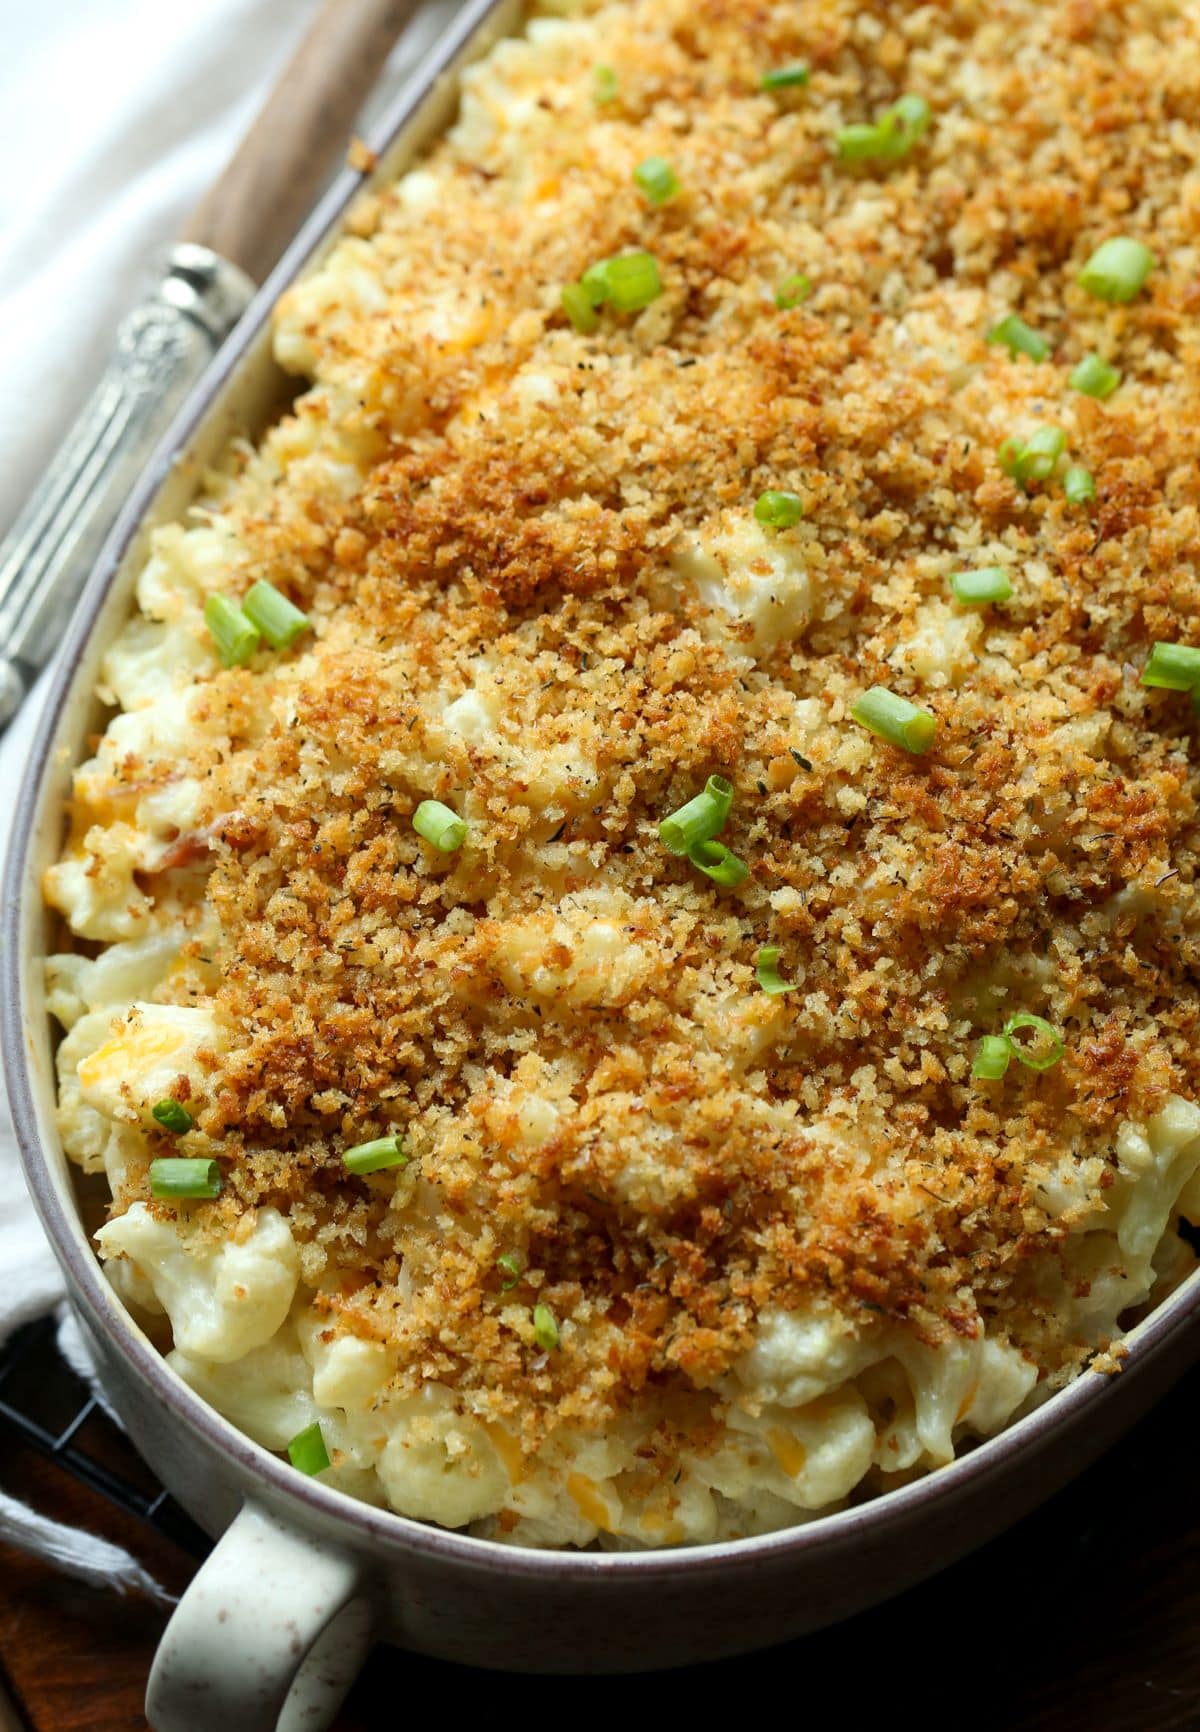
[[630, 943]]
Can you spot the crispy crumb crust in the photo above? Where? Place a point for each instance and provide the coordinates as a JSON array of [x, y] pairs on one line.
[[829, 1141]]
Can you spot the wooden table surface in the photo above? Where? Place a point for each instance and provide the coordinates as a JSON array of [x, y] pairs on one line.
[[1084, 1616]]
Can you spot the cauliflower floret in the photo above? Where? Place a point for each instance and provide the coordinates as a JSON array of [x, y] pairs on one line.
[[222, 1298]]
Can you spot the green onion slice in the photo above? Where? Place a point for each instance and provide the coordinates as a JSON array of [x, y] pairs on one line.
[[307, 1450], [1042, 1053], [172, 1117], [1117, 269], [718, 863], [509, 1266], [992, 1057], [236, 637], [176, 1176], [605, 84], [440, 827], [1041, 453], [577, 305], [906, 120], [627, 283], [1009, 453], [632, 281], [888, 138], [594, 282], [545, 1328], [779, 510], [1019, 338], [786, 77], [894, 719], [657, 179], [978, 588], [766, 968], [792, 290], [700, 819], [277, 619], [860, 142], [1094, 377], [1175, 667], [1034, 459], [1079, 484], [374, 1156]]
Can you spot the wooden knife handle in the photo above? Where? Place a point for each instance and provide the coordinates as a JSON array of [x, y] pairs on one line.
[[284, 160]]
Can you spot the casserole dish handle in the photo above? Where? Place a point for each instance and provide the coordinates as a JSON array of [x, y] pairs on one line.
[[268, 1637]]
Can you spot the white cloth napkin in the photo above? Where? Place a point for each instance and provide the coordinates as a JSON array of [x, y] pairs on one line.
[[114, 119]]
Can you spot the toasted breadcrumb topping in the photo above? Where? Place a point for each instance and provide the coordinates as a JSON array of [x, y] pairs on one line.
[[539, 596]]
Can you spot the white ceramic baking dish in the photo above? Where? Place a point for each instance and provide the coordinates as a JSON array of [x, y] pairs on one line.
[[275, 1625]]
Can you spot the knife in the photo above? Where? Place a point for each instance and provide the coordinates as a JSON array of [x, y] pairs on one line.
[[228, 246]]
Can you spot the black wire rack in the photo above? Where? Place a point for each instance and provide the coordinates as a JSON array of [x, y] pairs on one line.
[[48, 1407]]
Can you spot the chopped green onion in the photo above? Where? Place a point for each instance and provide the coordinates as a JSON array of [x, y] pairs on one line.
[[786, 77], [860, 142], [605, 85], [577, 305], [1175, 667], [1035, 458], [1117, 269], [894, 719], [374, 1156], [792, 290], [779, 510], [907, 120], [307, 1450], [594, 282], [1009, 453], [545, 1329], [1042, 451], [657, 179], [766, 968], [632, 281], [172, 1117], [992, 1057], [628, 282], [890, 137], [977, 588], [1094, 377], [439, 826], [1019, 338], [173, 1176], [718, 863], [1079, 484], [1045, 1052], [510, 1266], [236, 637], [700, 819], [276, 618]]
